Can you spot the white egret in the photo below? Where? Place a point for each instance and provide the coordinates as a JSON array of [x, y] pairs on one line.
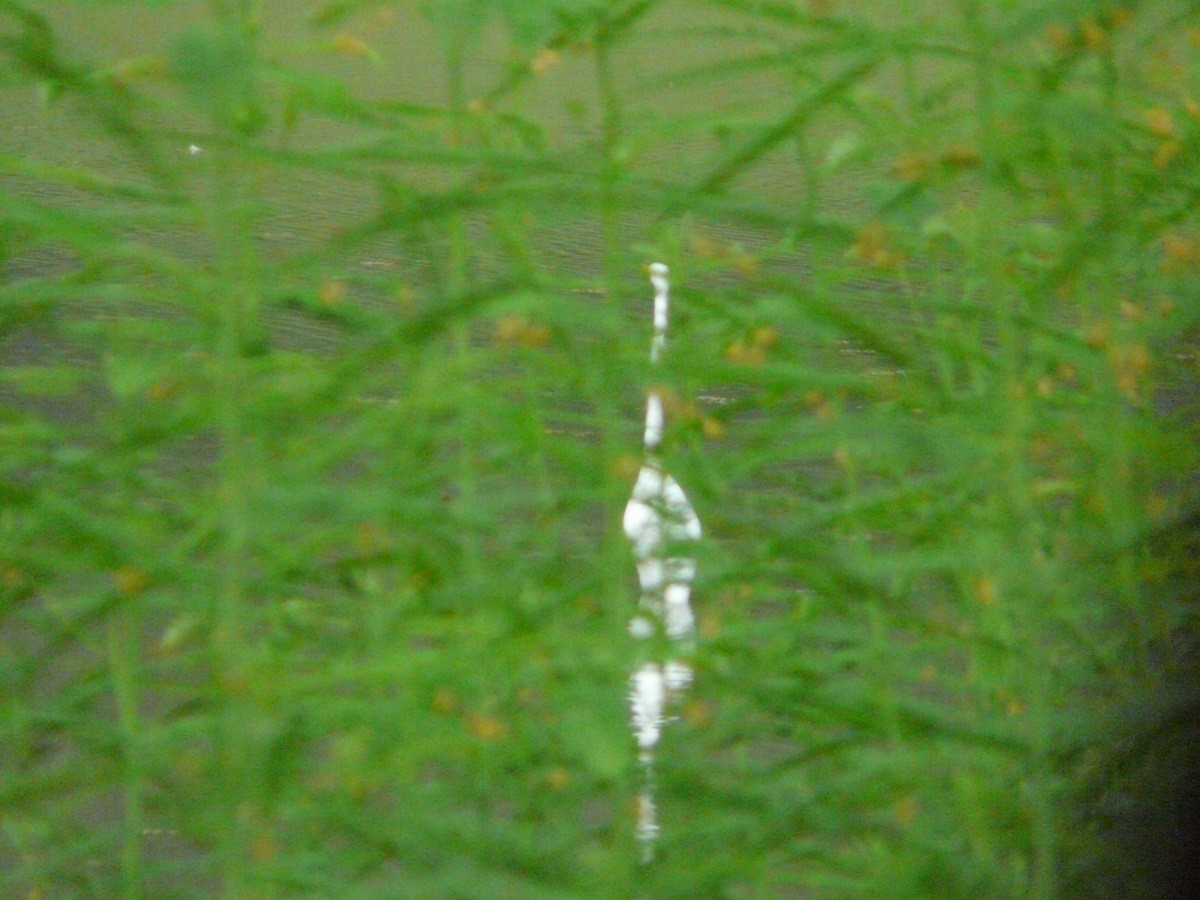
[[660, 523]]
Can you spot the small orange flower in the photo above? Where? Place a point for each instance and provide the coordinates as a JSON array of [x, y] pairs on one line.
[[406, 297], [371, 537], [986, 590], [696, 712], [234, 682], [544, 60], [350, 45], [732, 255], [1097, 335], [1094, 35], [745, 263], [519, 331], [485, 727], [626, 467], [960, 156], [820, 404], [765, 336], [911, 167], [873, 247], [712, 428], [1119, 17], [752, 351], [1180, 251], [1160, 122], [705, 247], [674, 406], [1130, 310], [1060, 37], [1131, 363], [905, 810], [1041, 447], [332, 292], [744, 353], [129, 580], [1166, 153], [264, 847], [161, 391]]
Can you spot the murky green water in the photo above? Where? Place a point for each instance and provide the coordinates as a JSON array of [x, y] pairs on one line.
[[408, 66]]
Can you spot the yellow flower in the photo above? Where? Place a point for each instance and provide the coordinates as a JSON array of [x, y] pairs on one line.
[[1160, 122], [1166, 153], [1060, 37], [485, 727], [752, 351], [712, 428], [742, 353], [1097, 335], [332, 291], [1094, 36], [911, 167], [905, 810], [696, 712], [873, 248], [1130, 363], [1180, 251], [129, 580], [1130, 310], [519, 331], [986, 590], [350, 45], [960, 156], [544, 60], [820, 404]]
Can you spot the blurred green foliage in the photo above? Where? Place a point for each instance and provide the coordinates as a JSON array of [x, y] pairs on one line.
[[314, 442]]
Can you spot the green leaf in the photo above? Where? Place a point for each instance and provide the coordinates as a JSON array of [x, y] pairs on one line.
[[131, 377], [43, 381], [216, 67], [458, 22], [605, 751]]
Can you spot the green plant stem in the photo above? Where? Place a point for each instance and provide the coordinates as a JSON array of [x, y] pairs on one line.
[[1121, 449], [455, 285], [610, 164], [1016, 519], [614, 551], [235, 311], [121, 643]]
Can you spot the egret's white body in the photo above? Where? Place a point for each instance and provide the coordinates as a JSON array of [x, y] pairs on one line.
[[660, 523]]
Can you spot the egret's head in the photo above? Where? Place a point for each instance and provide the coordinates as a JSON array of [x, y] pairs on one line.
[[658, 276]]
